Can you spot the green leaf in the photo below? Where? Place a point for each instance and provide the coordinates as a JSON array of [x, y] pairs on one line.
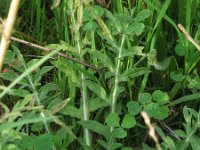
[[115, 146], [112, 120], [27, 99], [95, 104], [128, 121], [119, 133], [133, 73], [103, 144], [133, 107], [46, 90], [104, 59], [135, 27], [96, 127], [86, 14], [142, 15], [144, 98], [160, 97], [44, 141], [146, 147], [9, 135], [194, 141], [180, 49], [162, 112], [194, 83], [114, 20], [72, 111], [66, 68], [9, 57], [154, 62], [180, 133], [170, 143], [98, 90], [19, 92], [41, 72], [90, 26], [124, 19], [162, 13], [151, 108], [11, 76], [135, 50], [177, 77], [99, 11], [127, 148], [9, 125], [10, 147], [26, 142], [37, 127]]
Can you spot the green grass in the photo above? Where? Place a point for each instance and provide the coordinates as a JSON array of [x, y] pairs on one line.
[[146, 64]]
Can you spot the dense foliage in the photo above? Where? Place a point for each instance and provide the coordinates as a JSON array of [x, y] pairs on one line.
[[145, 63]]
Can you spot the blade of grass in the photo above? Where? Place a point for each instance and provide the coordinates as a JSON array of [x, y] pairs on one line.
[[167, 18], [162, 13], [186, 98]]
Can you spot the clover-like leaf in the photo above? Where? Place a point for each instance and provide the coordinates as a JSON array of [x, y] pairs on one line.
[[133, 107], [144, 98], [160, 97], [112, 120], [128, 121]]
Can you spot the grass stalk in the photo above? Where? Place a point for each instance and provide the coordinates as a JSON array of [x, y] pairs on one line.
[[20, 57], [76, 24], [8, 30]]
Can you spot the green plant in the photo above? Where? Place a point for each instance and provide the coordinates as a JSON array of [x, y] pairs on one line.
[[145, 64]]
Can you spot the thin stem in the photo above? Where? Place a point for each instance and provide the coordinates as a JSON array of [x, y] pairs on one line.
[[20, 57], [60, 54], [116, 83], [76, 24], [8, 30]]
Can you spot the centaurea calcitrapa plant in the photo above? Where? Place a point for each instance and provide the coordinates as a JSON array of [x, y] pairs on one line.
[[145, 64]]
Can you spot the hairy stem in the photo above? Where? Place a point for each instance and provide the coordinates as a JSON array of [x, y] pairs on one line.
[[76, 23], [116, 83]]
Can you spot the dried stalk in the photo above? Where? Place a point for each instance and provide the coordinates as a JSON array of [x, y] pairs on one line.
[[188, 36], [152, 132], [8, 30], [60, 54]]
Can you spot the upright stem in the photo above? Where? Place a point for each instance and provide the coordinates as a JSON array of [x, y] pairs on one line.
[[8, 30], [84, 102], [116, 83]]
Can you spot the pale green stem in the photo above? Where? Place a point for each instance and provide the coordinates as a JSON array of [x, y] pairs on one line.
[[83, 86], [116, 83], [35, 92]]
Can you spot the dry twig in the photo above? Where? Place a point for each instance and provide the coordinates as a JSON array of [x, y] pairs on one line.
[[8, 30], [152, 132], [188, 36], [60, 54]]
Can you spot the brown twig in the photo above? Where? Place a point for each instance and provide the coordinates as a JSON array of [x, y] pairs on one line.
[[152, 132], [188, 36], [8, 30], [60, 54]]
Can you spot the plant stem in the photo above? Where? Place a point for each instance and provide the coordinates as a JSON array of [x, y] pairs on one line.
[[116, 83], [76, 24], [8, 30]]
